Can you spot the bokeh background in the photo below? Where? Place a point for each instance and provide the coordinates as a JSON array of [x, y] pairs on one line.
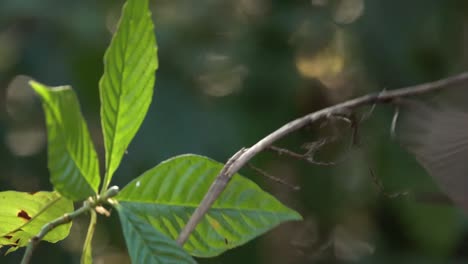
[[230, 73]]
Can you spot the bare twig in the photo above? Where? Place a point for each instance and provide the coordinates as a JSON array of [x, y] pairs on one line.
[[396, 114], [273, 178], [314, 147], [290, 153], [86, 254], [308, 156], [241, 158], [369, 113], [378, 183], [87, 206]]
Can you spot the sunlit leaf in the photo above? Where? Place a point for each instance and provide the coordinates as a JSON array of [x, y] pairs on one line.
[[73, 163], [22, 215], [168, 194], [146, 244], [126, 88], [348, 244]]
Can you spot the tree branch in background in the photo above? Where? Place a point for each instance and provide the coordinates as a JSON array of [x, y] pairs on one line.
[[242, 157], [273, 178]]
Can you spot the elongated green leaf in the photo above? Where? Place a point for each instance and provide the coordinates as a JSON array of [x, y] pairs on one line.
[[168, 194], [126, 88], [146, 244], [73, 163], [22, 215]]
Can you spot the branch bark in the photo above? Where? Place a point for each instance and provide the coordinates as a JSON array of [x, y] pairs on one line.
[[242, 157]]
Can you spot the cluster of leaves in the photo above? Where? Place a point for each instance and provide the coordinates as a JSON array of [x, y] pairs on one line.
[[155, 206]]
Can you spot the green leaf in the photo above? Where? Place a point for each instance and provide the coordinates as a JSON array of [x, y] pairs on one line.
[[126, 88], [168, 194], [146, 244], [73, 163], [87, 255], [22, 215]]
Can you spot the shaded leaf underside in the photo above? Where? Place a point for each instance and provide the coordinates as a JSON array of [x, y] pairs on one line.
[[146, 244]]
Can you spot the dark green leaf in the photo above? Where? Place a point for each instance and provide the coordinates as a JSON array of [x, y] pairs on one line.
[[168, 194], [146, 244]]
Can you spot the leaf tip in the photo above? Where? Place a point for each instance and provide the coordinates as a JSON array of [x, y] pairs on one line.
[[295, 216], [36, 86]]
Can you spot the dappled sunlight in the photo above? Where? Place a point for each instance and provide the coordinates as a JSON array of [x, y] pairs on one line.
[[9, 52], [22, 105], [325, 65], [331, 65], [319, 2], [220, 77], [324, 59], [251, 9], [25, 142], [20, 98], [352, 239], [230, 73], [329, 59], [347, 11]]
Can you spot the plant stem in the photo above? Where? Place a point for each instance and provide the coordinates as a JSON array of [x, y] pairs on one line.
[[87, 206], [87, 256]]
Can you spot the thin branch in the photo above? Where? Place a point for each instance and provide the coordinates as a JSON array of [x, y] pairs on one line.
[[87, 206], [290, 153], [380, 187], [239, 160], [368, 114], [273, 178], [394, 122], [308, 156], [86, 255]]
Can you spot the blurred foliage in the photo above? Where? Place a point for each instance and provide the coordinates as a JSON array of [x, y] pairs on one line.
[[231, 72]]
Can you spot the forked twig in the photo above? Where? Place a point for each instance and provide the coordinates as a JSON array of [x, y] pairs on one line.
[[308, 156], [87, 205], [273, 178], [396, 114], [314, 147], [378, 183], [241, 158]]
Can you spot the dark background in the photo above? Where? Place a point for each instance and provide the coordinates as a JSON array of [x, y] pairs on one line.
[[230, 73]]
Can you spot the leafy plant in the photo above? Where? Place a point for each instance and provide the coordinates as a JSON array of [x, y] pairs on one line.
[[155, 206]]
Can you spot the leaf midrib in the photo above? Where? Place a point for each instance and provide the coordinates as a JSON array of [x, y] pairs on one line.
[[70, 153], [194, 206], [117, 116]]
